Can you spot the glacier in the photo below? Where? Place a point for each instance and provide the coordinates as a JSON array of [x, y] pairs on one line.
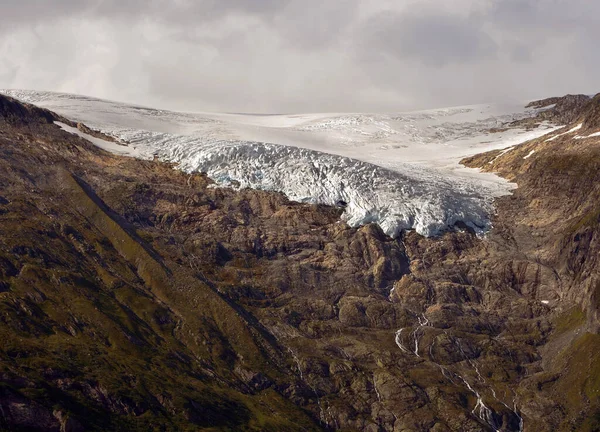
[[399, 171]]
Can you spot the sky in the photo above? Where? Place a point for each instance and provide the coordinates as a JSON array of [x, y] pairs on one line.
[[285, 56]]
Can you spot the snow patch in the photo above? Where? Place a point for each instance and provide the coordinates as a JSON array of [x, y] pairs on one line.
[[502, 153], [109, 146], [575, 129], [595, 134], [529, 155]]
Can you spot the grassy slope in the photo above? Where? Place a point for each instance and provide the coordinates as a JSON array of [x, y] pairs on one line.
[[94, 324]]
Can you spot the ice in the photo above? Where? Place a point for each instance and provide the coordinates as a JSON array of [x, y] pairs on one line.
[[595, 134], [400, 170]]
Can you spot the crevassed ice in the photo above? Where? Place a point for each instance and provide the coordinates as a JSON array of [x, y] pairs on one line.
[[416, 199], [408, 197], [359, 159]]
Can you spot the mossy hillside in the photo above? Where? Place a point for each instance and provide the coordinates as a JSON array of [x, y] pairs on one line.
[[569, 320], [579, 384], [163, 283], [80, 329], [91, 324], [108, 354]]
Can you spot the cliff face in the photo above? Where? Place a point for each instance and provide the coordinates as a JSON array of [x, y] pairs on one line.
[[557, 199], [136, 297], [553, 218]]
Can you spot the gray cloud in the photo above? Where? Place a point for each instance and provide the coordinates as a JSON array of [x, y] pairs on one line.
[[179, 12], [550, 16], [429, 36], [519, 53], [301, 55]]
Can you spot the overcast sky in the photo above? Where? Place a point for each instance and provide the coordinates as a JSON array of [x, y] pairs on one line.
[[302, 55]]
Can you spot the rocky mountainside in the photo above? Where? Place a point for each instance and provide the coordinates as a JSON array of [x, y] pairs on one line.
[[136, 297]]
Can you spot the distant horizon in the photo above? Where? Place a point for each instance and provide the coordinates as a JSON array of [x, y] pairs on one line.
[[183, 111]]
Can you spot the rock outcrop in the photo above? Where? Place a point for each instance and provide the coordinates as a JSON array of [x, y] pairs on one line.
[[136, 297]]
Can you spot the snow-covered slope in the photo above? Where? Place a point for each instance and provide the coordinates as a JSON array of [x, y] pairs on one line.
[[398, 170]]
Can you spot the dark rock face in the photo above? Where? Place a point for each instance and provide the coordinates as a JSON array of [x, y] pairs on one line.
[[19, 412], [591, 120], [567, 109], [570, 109], [136, 297]]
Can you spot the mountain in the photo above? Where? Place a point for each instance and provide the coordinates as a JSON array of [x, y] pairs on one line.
[[398, 170], [137, 295]]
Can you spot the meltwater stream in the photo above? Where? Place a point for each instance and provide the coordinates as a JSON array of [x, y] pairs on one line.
[[484, 413]]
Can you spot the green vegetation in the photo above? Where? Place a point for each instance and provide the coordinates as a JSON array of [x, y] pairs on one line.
[[579, 384], [587, 220], [569, 320], [94, 324]]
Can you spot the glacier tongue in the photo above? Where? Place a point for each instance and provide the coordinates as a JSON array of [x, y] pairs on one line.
[[412, 198], [399, 171]]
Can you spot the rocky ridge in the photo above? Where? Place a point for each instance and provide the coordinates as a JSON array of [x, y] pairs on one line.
[[135, 297]]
